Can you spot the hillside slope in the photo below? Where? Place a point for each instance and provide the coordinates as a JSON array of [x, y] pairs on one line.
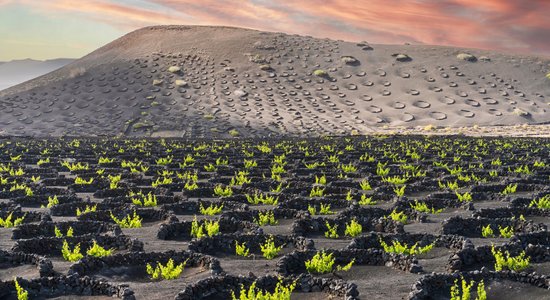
[[199, 81]]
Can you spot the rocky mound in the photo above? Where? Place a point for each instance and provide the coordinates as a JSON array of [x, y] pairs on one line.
[[196, 81]]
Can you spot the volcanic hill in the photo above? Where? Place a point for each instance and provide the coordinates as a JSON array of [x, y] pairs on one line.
[[201, 81]]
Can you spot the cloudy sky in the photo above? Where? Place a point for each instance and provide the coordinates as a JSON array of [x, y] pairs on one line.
[[42, 29]]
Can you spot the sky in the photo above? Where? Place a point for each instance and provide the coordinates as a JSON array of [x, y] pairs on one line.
[[46, 29]]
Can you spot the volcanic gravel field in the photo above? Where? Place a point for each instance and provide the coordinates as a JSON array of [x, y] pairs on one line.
[[460, 200]]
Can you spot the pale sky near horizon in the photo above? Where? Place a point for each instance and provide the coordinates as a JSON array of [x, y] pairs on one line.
[[46, 29]]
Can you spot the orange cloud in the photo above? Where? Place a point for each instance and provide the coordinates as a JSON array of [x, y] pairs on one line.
[[512, 25]]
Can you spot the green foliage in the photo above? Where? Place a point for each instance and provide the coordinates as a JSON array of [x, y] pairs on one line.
[[346, 267], [333, 159], [366, 200], [59, 234], [324, 210], [510, 189], [455, 170], [282, 292], [349, 196], [487, 231], [190, 185], [75, 166], [233, 133], [220, 191], [221, 161], [321, 180], [353, 228], [35, 179], [87, 209], [18, 172], [267, 218], [541, 203], [241, 249], [496, 162], [22, 294], [43, 161], [266, 199], [98, 251], [381, 169], [505, 261], [396, 180], [52, 201], [399, 248], [522, 170], [539, 164], [164, 181], [398, 216], [466, 197], [399, 191], [164, 161], [130, 221], [349, 168], [114, 180], [453, 186], [210, 168], [148, 200], [462, 290], [269, 250], [249, 163], [208, 228], [168, 272], [331, 231], [316, 192], [8, 223], [366, 158], [423, 207], [240, 178], [365, 185], [506, 232], [210, 210], [311, 166], [82, 181], [105, 160], [320, 263], [71, 255]]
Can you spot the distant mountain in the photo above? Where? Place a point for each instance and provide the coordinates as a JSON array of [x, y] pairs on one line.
[[18, 71]]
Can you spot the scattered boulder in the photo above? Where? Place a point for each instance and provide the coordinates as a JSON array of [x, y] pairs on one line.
[[350, 60], [466, 57], [240, 93], [180, 82], [401, 57], [260, 45], [258, 59], [520, 112], [265, 67], [320, 73], [364, 45], [484, 58], [174, 69]]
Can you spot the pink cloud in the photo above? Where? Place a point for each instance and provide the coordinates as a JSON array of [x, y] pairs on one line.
[[518, 26]]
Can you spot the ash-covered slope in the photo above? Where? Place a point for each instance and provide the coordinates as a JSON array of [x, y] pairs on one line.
[[200, 81]]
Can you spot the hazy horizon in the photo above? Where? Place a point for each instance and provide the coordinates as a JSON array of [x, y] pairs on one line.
[[53, 29]]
